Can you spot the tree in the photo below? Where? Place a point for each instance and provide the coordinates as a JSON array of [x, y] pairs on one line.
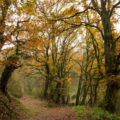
[[103, 12], [52, 49], [4, 7], [11, 65], [11, 62]]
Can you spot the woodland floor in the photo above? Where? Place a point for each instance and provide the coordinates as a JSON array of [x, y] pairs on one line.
[[42, 112]]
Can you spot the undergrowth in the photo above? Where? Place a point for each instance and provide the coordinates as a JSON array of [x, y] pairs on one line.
[[95, 113], [13, 110]]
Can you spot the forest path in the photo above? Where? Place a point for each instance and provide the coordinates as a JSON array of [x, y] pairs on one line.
[[42, 112]]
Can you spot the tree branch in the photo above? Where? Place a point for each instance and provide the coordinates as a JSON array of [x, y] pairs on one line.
[[18, 26], [94, 26], [112, 9], [96, 6], [84, 24], [76, 14], [117, 39]]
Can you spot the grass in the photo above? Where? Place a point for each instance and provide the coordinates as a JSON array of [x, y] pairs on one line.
[[27, 112]]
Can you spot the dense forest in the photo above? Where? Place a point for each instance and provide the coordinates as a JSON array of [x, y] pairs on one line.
[[64, 54]]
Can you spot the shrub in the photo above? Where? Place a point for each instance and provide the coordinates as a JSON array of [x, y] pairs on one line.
[[95, 113]]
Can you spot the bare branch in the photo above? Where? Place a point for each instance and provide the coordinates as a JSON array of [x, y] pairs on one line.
[[72, 24], [18, 26], [76, 14], [114, 6], [85, 24], [94, 26], [117, 39]]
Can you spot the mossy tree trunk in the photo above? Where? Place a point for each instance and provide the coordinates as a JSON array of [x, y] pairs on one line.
[[4, 79], [109, 49]]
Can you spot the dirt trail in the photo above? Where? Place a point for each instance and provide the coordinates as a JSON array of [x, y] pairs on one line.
[[44, 113]]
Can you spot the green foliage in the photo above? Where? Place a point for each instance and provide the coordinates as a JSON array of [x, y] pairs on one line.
[[14, 56], [79, 109], [94, 113], [101, 114]]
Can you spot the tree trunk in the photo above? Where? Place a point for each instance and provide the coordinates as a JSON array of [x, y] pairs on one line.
[[47, 81], [47, 73], [63, 93], [68, 99], [95, 91], [91, 93], [110, 98], [110, 69], [58, 93], [4, 79], [63, 100], [84, 94], [78, 91], [109, 49]]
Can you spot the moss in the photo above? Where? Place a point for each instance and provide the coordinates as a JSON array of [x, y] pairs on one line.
[[12, 111], [4, 108]]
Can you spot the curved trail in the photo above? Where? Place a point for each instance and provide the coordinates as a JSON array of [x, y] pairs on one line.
[[44, 113]]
